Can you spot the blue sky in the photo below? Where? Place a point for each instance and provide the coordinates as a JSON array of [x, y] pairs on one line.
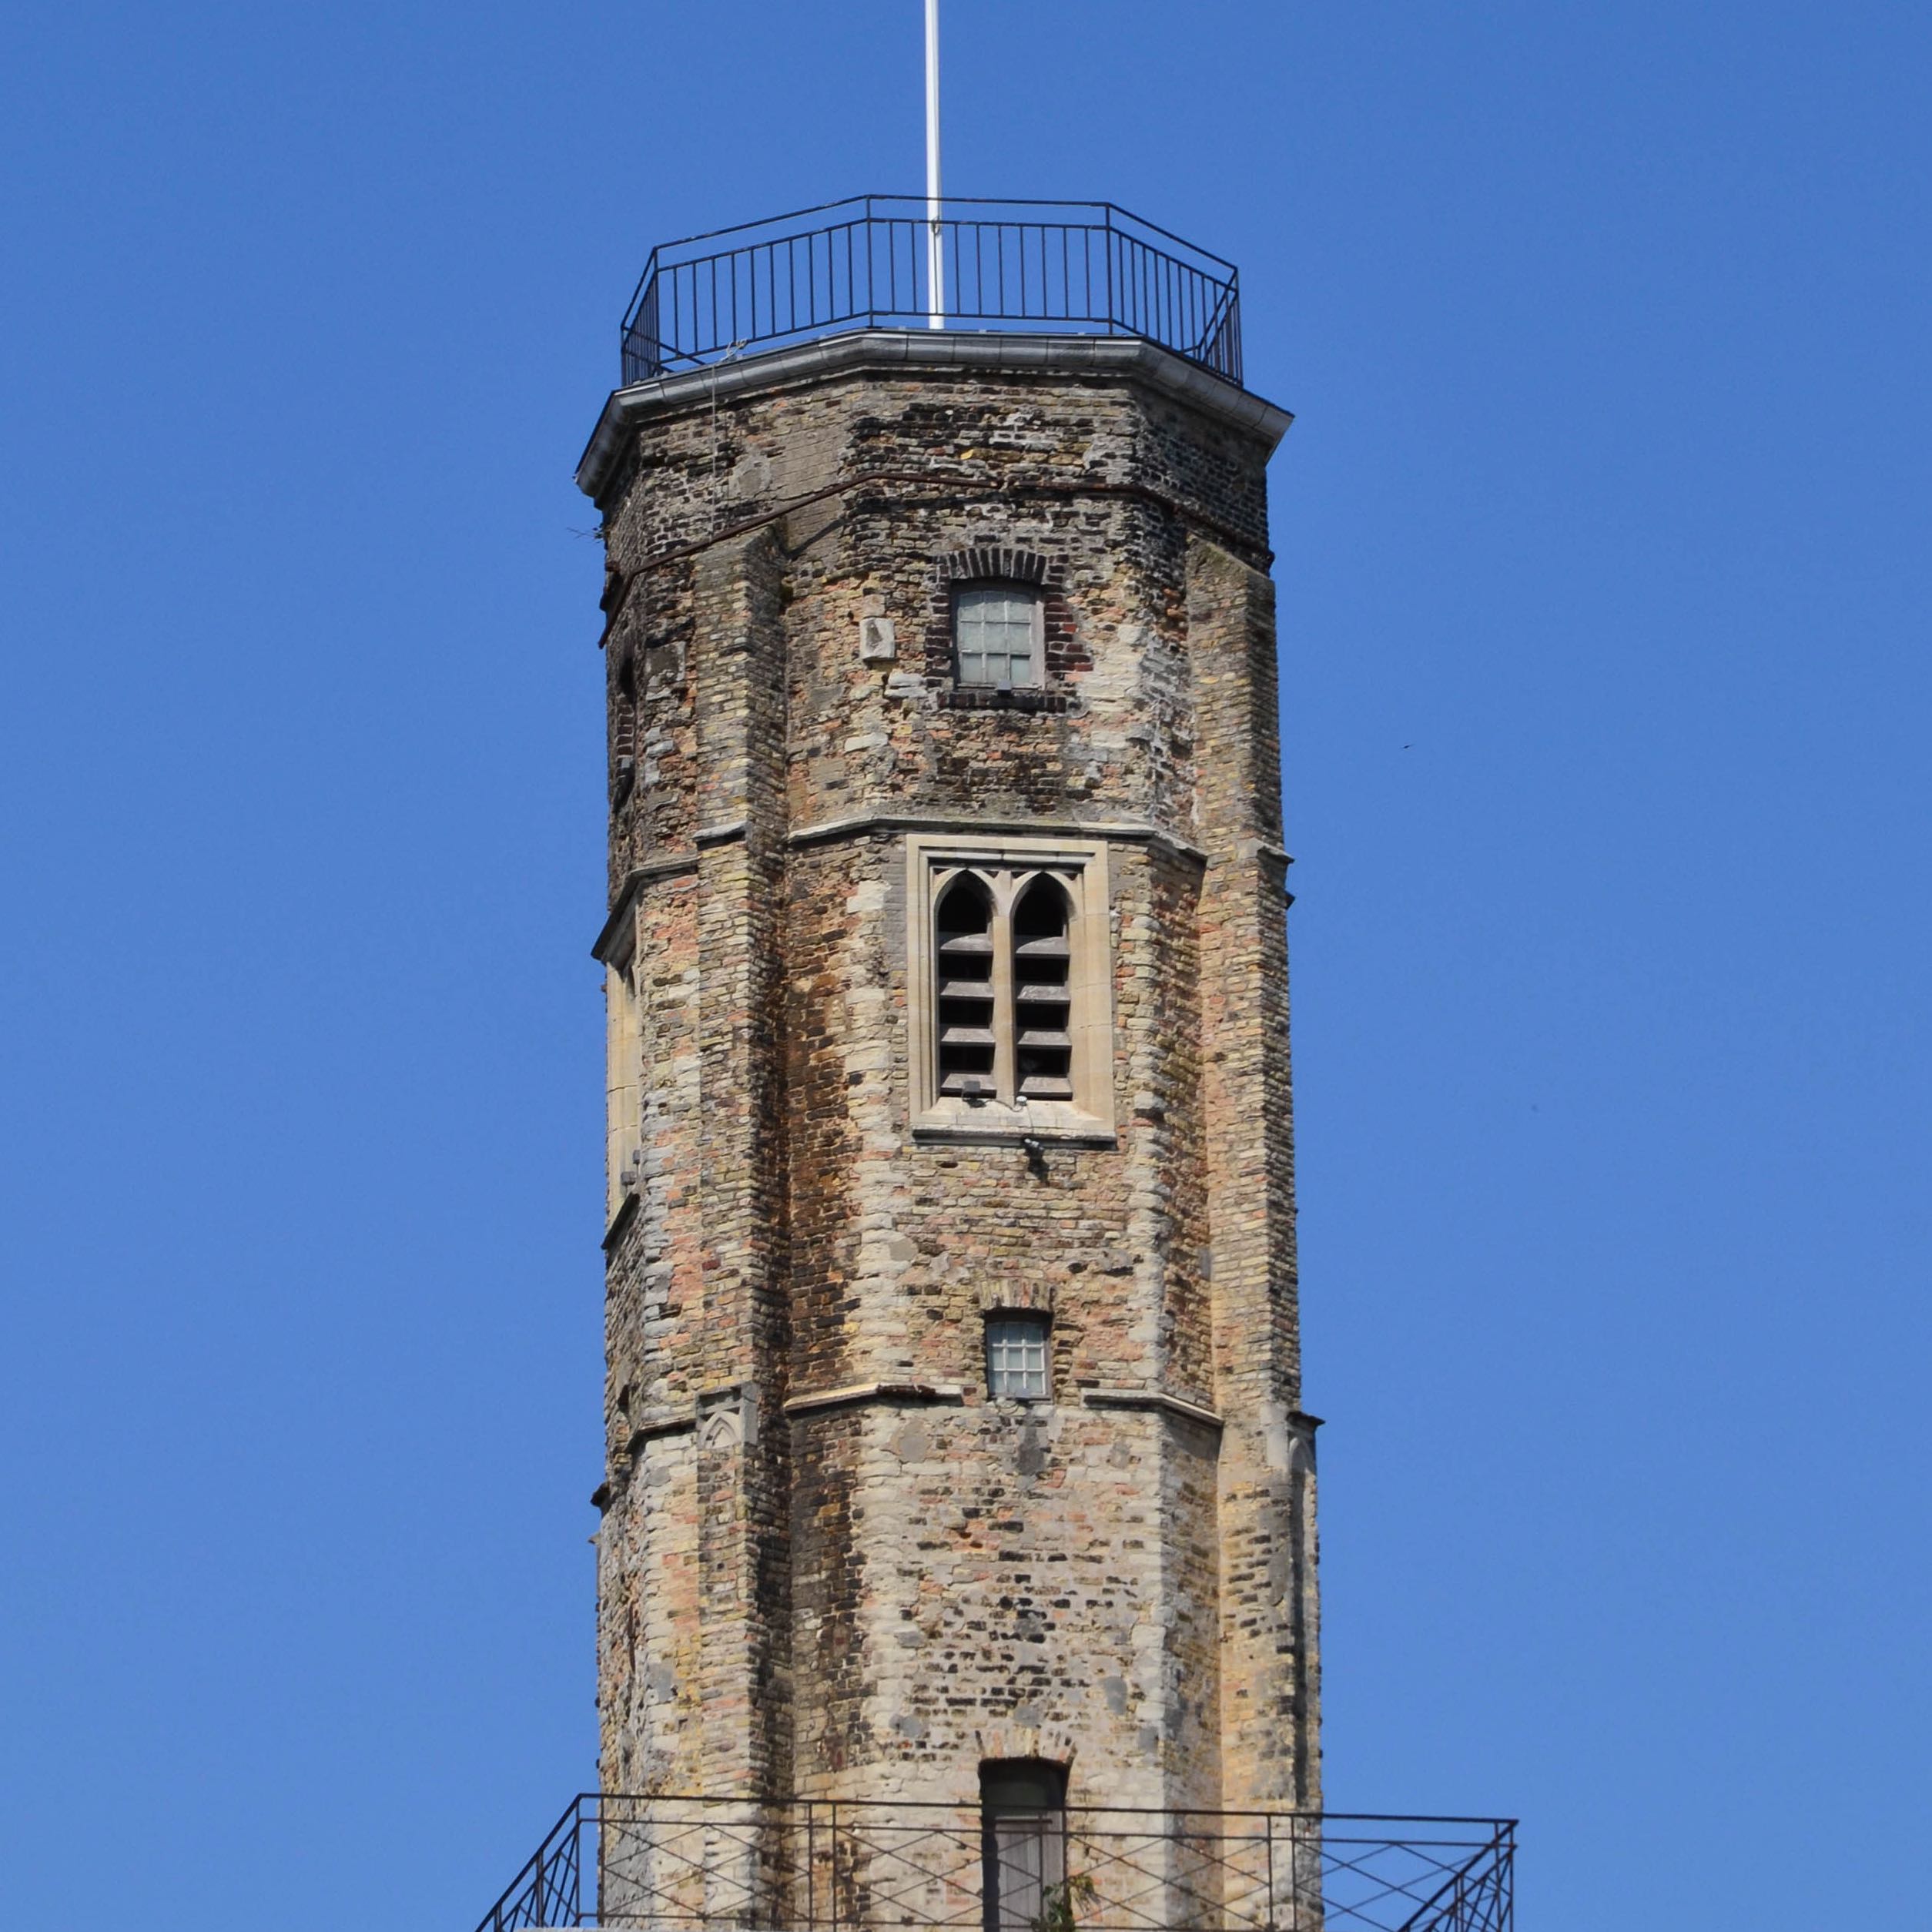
[[1602, 549]]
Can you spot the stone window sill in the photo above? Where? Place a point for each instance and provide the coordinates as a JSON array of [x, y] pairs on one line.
[[985, 697], [620, 1220], [993, 1121]]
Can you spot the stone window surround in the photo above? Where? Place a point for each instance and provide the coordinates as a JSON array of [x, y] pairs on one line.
[[1081, 865], [1025, 594], [1059, 652]]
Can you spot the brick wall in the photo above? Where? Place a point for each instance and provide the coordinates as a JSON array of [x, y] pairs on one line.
[[829, 1564]]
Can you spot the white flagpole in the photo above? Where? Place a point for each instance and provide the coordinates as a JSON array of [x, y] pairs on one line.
[[935, 252]]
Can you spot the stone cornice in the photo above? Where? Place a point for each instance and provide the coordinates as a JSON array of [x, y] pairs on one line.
[[957, 825], [611, 946], [626, 1209], [854, 1394], [1151, 1399], [675, 1420], [899, 351]]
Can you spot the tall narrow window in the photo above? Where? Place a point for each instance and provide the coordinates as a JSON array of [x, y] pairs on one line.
[[967, 1039], [1022, 1809], [996, 636], [623, 1084], [624, 731], [1042, 992]]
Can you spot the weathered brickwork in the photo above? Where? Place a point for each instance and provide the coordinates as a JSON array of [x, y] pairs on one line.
[[831, 1563]]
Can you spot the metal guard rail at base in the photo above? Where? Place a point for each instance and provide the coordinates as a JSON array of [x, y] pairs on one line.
[[1083, 268], [828, 1865]]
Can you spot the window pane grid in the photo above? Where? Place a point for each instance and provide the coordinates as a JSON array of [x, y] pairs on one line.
[[994, 633], [1016, 1360]]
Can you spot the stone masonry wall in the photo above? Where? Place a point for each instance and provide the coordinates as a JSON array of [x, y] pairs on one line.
[[829, 1563]]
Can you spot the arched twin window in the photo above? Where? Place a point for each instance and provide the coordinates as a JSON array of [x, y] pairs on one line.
[[1011, 993]]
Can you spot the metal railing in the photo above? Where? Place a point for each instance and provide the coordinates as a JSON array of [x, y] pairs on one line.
[[1084, 268], [826, 1865]]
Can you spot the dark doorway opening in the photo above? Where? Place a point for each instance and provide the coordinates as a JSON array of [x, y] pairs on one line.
[[1022, 1811]]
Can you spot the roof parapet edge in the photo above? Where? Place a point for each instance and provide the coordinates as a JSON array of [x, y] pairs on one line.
[[1129, 355]]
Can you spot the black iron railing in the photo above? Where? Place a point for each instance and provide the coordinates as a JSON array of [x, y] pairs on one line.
[[1084, 268], [827, 1865]]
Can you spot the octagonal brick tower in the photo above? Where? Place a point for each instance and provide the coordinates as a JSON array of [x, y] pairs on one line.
[[953, 1402]]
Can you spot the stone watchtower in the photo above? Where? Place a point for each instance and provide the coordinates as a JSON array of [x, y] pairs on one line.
[[958, 1553], [955, 1447]]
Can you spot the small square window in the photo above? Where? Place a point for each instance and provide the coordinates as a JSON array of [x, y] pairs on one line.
[[996, 636], [1017, 1358]]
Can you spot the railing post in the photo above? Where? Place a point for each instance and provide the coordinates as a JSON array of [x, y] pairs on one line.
[[1301, 1859], [1107, 245], [1270, 1870], [587, 1821]]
